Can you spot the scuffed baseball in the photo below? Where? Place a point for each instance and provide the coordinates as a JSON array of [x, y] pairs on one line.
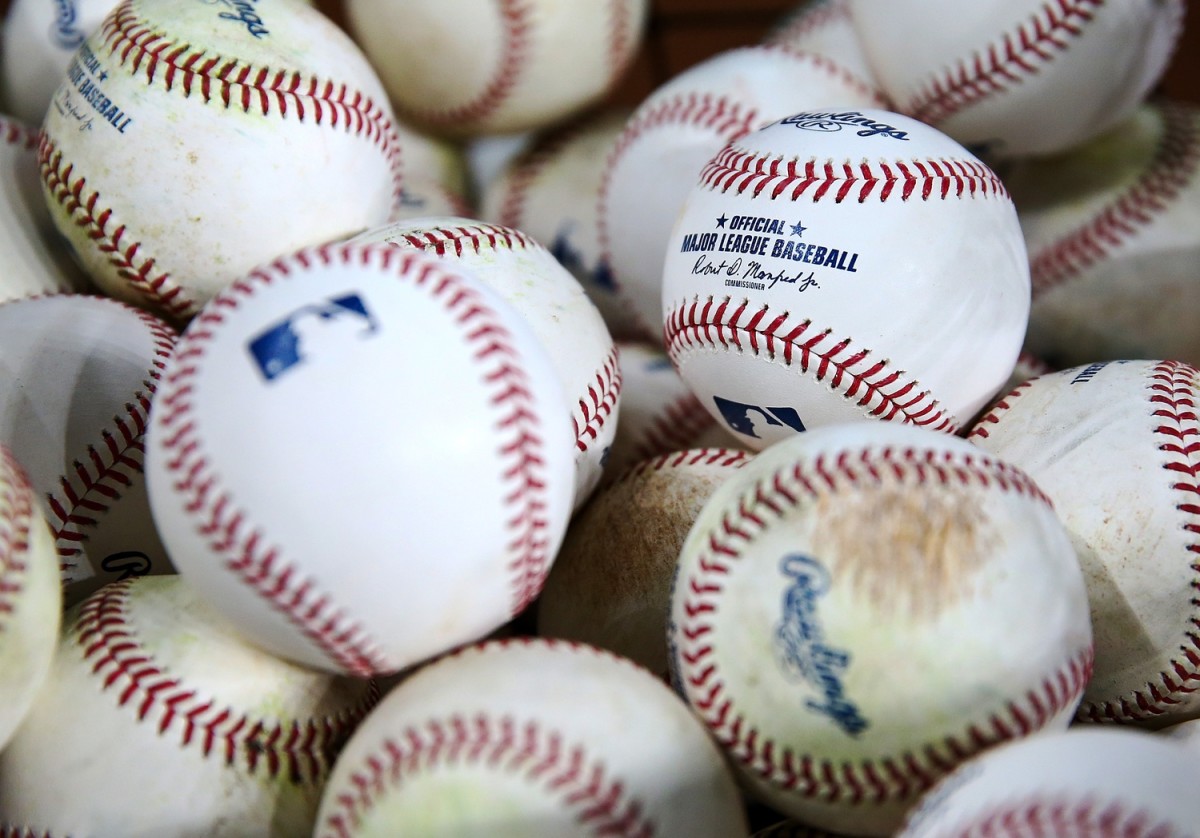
[[1019, 77], [531, 738], [1113, 445], [555, 307], [421, 455], [610, 584], [842, 619], [473, 67], [189, 142], [815, 276], [157, 719], [76, 384]]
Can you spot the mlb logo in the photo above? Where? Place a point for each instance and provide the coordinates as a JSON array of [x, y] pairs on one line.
[[753, 420], [300, 336]]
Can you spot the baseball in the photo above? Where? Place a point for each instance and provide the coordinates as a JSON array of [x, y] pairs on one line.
[[423, 457], [1112, 444], [676, 130], [610, 583], [557, 310], [471, 67], [843, 618], [76, 383], [825, 28], [34, 262], [532, 738], [1078, 783], [815, 276], [157, 719], [30, 597], [1019, 77], [188, 140], [1113, 233]]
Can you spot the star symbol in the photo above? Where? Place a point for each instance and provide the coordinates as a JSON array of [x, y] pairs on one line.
[[721, 221], [798, 229]]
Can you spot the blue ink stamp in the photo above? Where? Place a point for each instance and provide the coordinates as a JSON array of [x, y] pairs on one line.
[[749, 419], [830, 122], [292, 341], [800, 643]]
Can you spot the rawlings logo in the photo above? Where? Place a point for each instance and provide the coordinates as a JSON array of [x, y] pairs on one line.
[[833, 122]]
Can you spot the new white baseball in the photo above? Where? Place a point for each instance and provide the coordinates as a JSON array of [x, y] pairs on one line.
[[843, 618], [1114, 446], [35, 262], [396, 474], [1113, 233], [157, 719], [557, 310], [30, 596], [676, 131], [1019, 77], [817, 274], [1076, 783], [469, 67], [610, 583], [77, 375], [531, 739], [189, 141]]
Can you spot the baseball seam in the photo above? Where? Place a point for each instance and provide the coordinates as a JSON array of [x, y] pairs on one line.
[[885, 779], [674, 427], [301, 751], [261, 566], [526, 170], [1173, 167], [516, 19], [882, 392], [993, 415], [1043, 815], [601, 401], [725, 457], [17, 134], [740, 170], [1172, 405], [16, 518], [86, 492], [543, 757], [1018, 54], [808, 19], [620, 36]]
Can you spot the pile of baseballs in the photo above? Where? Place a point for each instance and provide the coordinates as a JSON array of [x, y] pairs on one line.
[[811, 449]]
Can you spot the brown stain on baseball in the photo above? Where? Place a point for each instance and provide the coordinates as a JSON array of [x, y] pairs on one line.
[[906, 551]]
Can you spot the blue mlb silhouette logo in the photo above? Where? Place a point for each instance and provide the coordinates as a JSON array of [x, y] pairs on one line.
[[299, 337], [743, 418]]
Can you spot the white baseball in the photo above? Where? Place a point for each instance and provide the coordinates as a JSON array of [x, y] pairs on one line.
[[1019, 77], [611, 581], [76, 383], [1113, 233], [470, 67], [1074, 783], [35, 262], [396, 474], [30, 596], [675, 131], [557, 310], [550, 191], [816, 275], [531, 739], [843, 618], [825, 28], [157, 719], [190, 142], [659, 414], [1114, 445]]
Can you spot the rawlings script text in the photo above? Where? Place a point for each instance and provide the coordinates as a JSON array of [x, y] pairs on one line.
[[830, 122], [244, 12]]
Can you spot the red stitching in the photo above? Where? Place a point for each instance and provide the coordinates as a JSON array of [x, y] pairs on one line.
[[883, 392], [875, 781], [675, 428], [730, 457], [529, 167], [1173, 167], [516, 16], [620, 40], [86, 491], [15, 133], [16, 518], [807, 19], [303, 751], [1000, 407], [1022, 52], [1044, 815], [601, 401], [22, 832], [258, 564], [1172, 404], [739, 170]]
